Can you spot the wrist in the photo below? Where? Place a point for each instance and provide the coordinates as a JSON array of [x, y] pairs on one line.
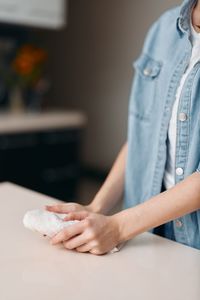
[[98, 206], [120, 227], [127, 225], [94, 208]]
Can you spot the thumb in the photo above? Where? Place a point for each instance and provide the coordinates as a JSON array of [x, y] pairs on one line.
[[76, 215]]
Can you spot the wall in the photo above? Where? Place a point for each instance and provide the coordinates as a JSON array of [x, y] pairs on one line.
[[91, 64]]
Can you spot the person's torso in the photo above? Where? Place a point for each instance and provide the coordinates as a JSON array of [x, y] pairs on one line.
[[169, 175], [159, 69]]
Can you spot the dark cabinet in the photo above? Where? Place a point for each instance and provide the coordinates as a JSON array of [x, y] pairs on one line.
[[48, 162]]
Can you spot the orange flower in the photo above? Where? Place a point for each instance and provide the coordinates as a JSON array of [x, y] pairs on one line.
[[28, 58]]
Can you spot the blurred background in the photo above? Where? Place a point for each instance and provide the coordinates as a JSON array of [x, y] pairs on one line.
[[65, 77]]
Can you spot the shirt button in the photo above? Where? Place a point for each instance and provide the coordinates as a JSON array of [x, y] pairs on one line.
[[147, 71], [182, 117], [179, 223], [179, 171]]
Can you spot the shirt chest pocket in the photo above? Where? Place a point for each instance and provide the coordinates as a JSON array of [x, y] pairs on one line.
[[145, 85]]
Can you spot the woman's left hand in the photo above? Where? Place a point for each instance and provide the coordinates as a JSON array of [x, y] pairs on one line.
[[95, 233]]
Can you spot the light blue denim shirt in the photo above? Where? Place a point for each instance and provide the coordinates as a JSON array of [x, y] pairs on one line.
[[158, 71]]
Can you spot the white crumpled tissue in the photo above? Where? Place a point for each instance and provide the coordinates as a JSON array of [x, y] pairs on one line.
[[49, 223], [45, 222]]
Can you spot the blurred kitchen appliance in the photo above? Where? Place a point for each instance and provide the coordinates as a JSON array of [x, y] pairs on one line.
[[39, 13]]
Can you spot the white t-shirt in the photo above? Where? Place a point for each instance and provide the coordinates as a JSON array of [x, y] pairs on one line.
[[169, 175]]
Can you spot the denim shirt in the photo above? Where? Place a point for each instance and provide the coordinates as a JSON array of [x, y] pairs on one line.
[[158, 71]]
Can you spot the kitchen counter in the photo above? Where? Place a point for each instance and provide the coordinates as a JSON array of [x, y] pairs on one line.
[[148, 267], [30, 122]]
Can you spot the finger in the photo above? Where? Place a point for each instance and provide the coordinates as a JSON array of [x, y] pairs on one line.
[[85, 248], [77, 215], [58, 208], [75, 242], [96, 251], [67, 233]]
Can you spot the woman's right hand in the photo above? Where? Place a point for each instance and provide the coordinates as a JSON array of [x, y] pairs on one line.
[[67, 208]]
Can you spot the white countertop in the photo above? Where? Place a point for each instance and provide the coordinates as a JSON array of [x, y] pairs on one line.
[[147, 268], [29, 122]]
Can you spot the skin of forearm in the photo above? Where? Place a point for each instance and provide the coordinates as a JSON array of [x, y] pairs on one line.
[[111, 191], [182, 199]]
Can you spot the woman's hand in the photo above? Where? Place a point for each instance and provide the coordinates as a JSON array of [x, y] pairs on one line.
[[67, 208], [95, 233]]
